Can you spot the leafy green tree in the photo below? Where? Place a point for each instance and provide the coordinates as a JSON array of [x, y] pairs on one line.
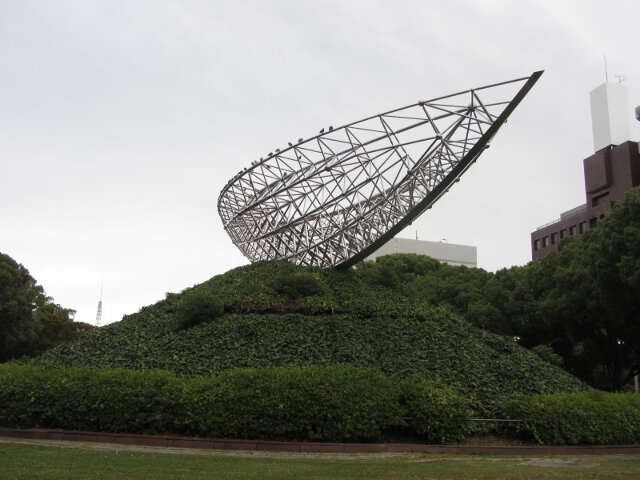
[[584, 300], [30, 322], [422, 278], [612, 251], [56, 325], [514, 299], [18, 297]]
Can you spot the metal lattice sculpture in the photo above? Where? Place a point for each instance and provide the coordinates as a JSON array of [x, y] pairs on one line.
[[334, 199]]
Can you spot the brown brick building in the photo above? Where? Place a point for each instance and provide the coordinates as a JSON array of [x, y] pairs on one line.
[[608, 174]]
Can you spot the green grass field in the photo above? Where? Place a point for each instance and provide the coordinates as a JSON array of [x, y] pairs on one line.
[[27, 461]]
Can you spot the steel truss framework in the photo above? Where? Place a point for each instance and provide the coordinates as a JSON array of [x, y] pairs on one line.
[[334, 199]]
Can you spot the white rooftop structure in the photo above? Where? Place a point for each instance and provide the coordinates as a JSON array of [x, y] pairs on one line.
[[443, 251], [609, 115]]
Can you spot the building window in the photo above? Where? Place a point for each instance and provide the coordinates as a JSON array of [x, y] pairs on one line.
[[582, 227], [593, 222], [573, 230], [545, 241], [563, 233], [536, 245], [599, 200], [554, 238]]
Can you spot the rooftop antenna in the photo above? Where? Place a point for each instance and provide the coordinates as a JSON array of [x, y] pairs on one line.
[[606, 72], [621, 78], [99, 314]]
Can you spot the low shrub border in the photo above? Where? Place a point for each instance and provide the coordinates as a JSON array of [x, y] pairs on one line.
[[339, 403], [585, 418], [333, 403]]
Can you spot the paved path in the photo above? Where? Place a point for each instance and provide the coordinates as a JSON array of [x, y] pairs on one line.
[[291, 447], [566, 461]]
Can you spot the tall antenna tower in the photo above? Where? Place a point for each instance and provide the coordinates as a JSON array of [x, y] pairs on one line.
[[99, 314]]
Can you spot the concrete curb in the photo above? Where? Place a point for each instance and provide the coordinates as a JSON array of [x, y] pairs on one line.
[[311, 447]]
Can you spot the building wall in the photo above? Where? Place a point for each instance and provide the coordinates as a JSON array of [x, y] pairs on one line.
[[608, 175], [445, 252]]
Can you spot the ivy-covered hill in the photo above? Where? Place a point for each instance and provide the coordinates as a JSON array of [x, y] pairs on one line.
[[278, 314]]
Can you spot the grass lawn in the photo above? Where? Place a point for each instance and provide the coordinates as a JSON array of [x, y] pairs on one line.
[[25, 461]]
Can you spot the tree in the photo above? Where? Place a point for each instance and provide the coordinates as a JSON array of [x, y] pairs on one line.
[[513, 296], [55, 325], [584, 299], [18, 296], [613, 249], [422, 278], [29, 320]]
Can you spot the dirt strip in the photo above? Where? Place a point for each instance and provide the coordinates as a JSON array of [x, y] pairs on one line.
[[116, 447], [409, 457], [210, 444]]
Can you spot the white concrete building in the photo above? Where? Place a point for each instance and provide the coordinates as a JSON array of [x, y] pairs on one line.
[[443, 251]]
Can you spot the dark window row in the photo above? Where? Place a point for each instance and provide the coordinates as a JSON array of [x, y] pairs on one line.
[[572, 231]]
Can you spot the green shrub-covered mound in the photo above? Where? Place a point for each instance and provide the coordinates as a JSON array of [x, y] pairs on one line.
[[273, 314]]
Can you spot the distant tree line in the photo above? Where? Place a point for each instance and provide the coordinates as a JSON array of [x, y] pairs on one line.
[[30, 322], [579, 307]]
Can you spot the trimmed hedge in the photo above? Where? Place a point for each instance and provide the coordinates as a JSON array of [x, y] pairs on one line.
[[334, 403], [82, 399], [337, 403], [591, 418], [438, 412]]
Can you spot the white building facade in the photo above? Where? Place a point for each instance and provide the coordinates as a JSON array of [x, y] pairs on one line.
[[443, 251]]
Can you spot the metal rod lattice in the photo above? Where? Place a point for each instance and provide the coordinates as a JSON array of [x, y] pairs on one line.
[[333, 199]]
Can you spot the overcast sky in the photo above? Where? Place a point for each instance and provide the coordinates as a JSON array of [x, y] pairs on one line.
[[120, 121]]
